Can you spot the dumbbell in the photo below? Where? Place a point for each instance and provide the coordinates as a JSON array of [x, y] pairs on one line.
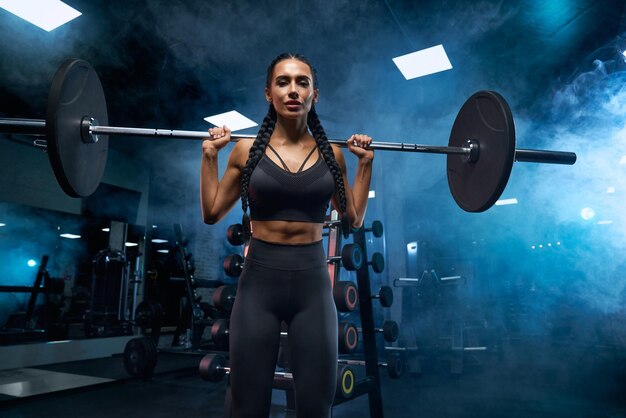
[[389, 331], [233, 265], [393, 364], [235, 234], [224, 297], [376, 229], [377, 263], [385, 295], [345, 295], [351, 257], [219, 332], [213, 368], [348, 337]]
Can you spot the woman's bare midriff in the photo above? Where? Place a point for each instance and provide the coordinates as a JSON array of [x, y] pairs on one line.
[[287, 232]]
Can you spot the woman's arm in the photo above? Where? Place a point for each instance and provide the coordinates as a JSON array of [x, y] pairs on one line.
[[217, 197], [357, 195]]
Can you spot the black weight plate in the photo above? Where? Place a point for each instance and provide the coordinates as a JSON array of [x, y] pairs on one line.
[[75, 93], [486, 118], [140, 357]]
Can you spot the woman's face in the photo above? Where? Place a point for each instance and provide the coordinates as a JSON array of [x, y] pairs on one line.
[[291, 89]]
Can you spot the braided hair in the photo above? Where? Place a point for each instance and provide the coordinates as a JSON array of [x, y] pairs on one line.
[[267, 128]]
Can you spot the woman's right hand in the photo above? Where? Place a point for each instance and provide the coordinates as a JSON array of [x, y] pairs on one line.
[[218, 138]]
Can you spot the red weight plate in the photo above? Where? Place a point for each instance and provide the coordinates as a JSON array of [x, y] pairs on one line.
[[485, 118], [76, 93]]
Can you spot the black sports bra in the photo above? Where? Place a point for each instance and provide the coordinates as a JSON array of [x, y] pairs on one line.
[[276, 194]]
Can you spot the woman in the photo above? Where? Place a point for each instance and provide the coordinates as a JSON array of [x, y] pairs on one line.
[[287, 176]]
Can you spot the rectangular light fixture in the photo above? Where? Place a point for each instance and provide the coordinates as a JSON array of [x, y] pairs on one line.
[[47, 14], [605, 222], [503, 202], [131, 244], [424, 62], [70, 236], [106, 229], [233, 119], [1, 224], [159, 241], [371, 194], [163, 251]]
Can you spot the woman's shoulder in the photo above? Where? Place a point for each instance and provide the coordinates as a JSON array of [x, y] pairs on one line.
[[337, 153], [241, 150]]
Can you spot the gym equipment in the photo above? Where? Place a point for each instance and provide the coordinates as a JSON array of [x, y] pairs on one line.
[[213, 368], [389, 330], [148, 314], [236, 234], [343, 223], [224, 297], [140, 357], [376, 229], [351, 257], [233, 265], [480, 152], [385, 295], [348, 337], [33, 323], [345, 295], [393, 364], [377, 262], [219, 332]]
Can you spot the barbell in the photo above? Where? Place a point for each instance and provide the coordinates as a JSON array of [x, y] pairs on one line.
[[480, 152]]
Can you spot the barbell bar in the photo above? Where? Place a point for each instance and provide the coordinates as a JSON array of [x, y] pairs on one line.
[[90, 132], [480, 152]]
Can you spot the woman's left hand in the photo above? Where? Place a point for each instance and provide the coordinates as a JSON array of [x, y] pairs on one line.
[[358, 144]]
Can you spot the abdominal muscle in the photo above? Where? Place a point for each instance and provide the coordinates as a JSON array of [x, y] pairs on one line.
[[287, 232]]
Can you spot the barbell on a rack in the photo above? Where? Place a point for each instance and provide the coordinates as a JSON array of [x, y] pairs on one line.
[[480, 152]]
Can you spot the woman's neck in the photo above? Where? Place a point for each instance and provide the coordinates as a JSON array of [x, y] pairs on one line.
[[290, 130]]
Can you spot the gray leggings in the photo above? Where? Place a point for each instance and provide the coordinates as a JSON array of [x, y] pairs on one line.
[[283, 283]]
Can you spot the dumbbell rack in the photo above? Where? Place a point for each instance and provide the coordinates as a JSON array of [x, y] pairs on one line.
[[369, 385]]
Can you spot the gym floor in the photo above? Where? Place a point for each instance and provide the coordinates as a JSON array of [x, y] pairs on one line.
[[532, 379]]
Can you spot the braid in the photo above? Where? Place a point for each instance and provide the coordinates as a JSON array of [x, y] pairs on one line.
[[256, 152], [324, 146]]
